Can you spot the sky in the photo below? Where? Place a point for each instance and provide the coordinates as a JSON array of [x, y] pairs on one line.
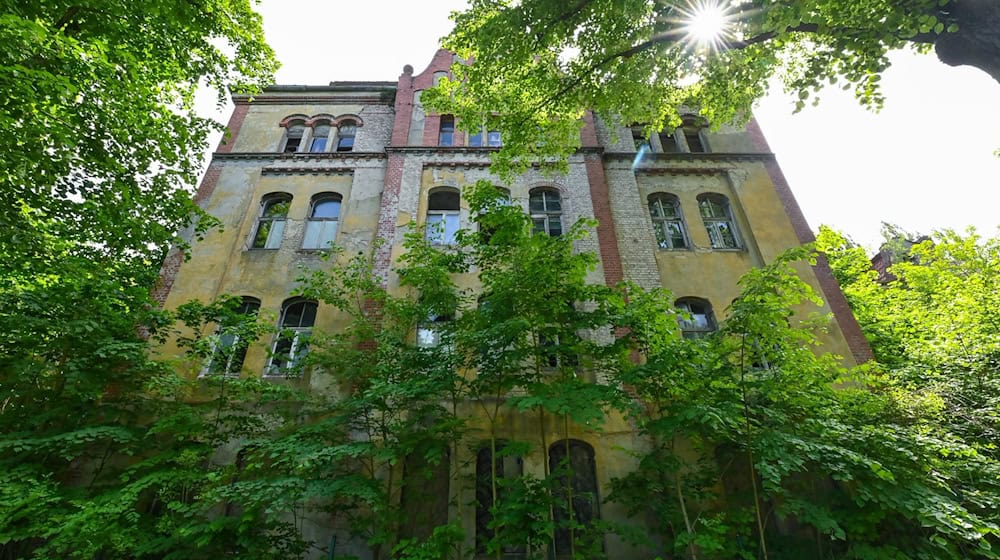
[[925, 162]]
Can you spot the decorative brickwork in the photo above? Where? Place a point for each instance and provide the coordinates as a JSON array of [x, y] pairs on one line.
[[385, 230], [856, 340]]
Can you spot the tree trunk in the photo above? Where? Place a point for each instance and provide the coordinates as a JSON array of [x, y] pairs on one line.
[[977, 41]]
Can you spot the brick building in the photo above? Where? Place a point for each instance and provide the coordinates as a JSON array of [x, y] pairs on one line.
[[352, 162]]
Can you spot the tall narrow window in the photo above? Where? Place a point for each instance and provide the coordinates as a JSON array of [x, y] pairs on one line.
[[345, 136], [718, 218], [320, 136], [446, 134], [293, 138], [693, 136], [575, 497], [639, 138], [669, 142], [545, 208], [668, 222], [699, 320], [292, 341], [476, 139], [442, 216], [271, 223], [504, 467], [321, 227], [230, 349]]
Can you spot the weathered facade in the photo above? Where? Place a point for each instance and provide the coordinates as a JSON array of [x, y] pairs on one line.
[[353, 162]]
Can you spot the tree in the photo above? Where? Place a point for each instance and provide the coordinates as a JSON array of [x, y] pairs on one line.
[[540, 64], [102, 453]]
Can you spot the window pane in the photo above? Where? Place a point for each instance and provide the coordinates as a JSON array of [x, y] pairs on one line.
[[555, 226], [694, 141], [476, 140], [275, 234], [552, 201], [451, 228], [677, 240], [321, 131], [319, 234], [446, 138], [326, 209], [493, 138], [345, 144], [535, 202], [292, 145], [444, 200], [318, 145], [293, 315], [263, 231], [661, 237], [656, 208], [538, 225], [727, 235], [275, 208]]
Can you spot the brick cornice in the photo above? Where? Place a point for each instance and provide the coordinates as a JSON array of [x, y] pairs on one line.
[[297, 156], [702, 156], [307, 171], [383, 99]]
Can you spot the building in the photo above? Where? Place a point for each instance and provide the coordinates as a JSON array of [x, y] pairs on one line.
[[689, 210]]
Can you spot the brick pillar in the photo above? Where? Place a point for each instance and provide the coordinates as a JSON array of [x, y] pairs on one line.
[[234, 126], [856, 340], [607, 237]]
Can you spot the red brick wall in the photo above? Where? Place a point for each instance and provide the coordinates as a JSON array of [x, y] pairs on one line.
[[607, 237], [856, 340], [233, 129]]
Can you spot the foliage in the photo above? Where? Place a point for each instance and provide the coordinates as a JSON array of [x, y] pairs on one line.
[[541, 64]]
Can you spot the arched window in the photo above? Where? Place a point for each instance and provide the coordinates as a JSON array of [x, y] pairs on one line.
[[271, 222], [320, 136], [321, 227], [545, 207], [505, 466], [718, 218], [293, 137], [443, 206], [575, 497], [229, 348], [698, 319], [292, 341], [446, 134], [345, 136], [668, 221]]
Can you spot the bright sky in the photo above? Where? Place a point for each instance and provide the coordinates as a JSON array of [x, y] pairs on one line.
[[925, 162]]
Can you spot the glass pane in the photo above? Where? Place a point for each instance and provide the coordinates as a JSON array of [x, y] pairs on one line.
[[538, 225], [727, 235], [329, 209], [345, 144], [713, 235], [308, 314], [669, 208], [435, 228], [493, 138], [292, 145], [347, 130], [318, 145], [444, 200], [446, 138], [321, 131], [536, 202], [476, 140], [661, 238], [711, 209], [555, 226], [293, 315], [450, 228], [319, 234], [282, 353], [552, 201], [274, 236], [677, 240]]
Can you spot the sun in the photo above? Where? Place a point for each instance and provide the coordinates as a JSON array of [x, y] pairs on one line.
[[707, 22]]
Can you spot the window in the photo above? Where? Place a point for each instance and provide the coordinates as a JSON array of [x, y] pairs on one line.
[[320, 135], [506, 467], [493, 139], [668, 222], [639, 138], [575, 494], [292, 341], [668, 142], [446, 134], [554, 354], [693, 137], [345, 136], [487, 224], [442, 216], [429, 332], [699, 320], [293, 138], [717, 215], [271, 223], [230, 349], [321, 227], [545, 208]]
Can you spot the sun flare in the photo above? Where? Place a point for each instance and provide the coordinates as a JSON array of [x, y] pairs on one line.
[[707, 23]]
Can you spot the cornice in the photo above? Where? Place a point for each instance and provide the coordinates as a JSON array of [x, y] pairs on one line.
[[690, 157], [383, 99], [297, 156]]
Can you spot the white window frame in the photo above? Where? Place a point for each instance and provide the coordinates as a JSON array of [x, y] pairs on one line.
[[320, 228], [691, 327], [662, 222], [544, 218], [299, 342], [249, 306], [276, 229], [717, 215]]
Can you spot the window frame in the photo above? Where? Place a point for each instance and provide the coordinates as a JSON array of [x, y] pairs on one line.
[[295, 131], [690, 328], [662, 223], [235, 350], [446, 130], [545, 217], [351, 126], [716, 234], [431, 231], [275, 224], [312, 222], [325, 138], [299, 335]]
